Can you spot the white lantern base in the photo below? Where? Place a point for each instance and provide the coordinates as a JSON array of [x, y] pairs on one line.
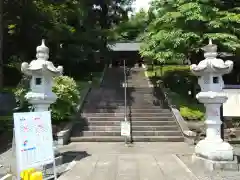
[[214, 150], [215, 165]]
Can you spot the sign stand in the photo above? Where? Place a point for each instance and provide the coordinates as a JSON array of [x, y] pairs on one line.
[[32, 154]]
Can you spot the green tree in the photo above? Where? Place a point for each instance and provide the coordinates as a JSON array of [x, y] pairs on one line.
[[181, 27], [73, 29], [133, 27]]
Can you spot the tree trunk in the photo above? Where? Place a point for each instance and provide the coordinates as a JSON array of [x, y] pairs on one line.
[[1, 44]]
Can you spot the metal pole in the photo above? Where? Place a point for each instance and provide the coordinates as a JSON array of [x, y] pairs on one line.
[[125, 97], [125, 93]]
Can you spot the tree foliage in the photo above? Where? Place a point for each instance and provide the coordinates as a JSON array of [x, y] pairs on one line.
[[132, 28], [181, 27], [74, 29]]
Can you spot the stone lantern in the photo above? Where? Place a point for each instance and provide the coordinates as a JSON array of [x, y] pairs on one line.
[[210, 71], [41, 96], [42, 72]]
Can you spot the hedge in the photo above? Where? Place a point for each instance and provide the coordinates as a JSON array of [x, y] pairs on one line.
[[179, 81]]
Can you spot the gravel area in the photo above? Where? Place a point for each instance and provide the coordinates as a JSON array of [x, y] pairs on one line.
[[203, 174]]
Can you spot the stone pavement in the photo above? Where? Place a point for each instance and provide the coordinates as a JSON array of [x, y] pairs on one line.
[[141, 161], [115, 161]]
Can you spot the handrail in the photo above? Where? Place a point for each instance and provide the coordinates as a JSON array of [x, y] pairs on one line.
[[125, 103], [125, 97]]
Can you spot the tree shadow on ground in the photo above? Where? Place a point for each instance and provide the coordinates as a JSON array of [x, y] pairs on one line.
[[69, 156]]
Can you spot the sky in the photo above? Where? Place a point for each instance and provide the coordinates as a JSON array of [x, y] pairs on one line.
[[141, 4]]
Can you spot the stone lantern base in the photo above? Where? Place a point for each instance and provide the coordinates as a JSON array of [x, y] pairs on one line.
[[215, 155], [212, 165], [214, 150]]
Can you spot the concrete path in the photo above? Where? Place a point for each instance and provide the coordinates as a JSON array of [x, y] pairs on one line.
[[115, 161]]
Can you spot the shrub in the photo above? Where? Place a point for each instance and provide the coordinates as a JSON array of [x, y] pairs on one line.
[[20, 92], [188, 113], [68, 96], [179, 80]]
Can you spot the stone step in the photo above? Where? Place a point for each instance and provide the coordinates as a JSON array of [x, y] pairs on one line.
[[137, 105], [137, 81], [114, 107], [132, 119], [140, 99], [121, 110], [134, 133], [120, 95], [142, 89], [134, 128], [136, 91], [132, 90], [133, 85], [131, 99], [132, 114], [134, 123], [121, 139], [138, 85], [122, 102]]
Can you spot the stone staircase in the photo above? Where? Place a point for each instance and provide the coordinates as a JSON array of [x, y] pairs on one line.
[[103, 112]]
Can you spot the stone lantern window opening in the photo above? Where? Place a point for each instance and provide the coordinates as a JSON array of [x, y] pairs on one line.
[[38, 81], [215, 80]]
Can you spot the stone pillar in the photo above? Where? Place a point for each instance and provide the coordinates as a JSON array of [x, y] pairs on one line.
[[210, 71]]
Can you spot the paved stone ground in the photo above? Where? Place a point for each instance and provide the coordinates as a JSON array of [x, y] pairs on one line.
[[142, 161], [115, 161]]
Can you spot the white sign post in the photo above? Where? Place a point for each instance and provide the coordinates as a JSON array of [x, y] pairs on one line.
[[125, 128], [33, 140]]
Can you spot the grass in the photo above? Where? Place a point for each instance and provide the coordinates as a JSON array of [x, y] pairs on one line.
[[189, 107]]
